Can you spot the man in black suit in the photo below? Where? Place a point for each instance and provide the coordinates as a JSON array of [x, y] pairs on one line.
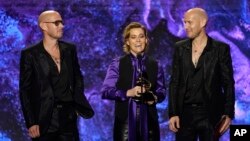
[[51, 85], [202, 83]]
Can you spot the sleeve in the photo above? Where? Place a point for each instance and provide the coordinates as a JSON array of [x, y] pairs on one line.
[[173, 85], [109, 89], [25, 87], [227, 81], [160, 86]]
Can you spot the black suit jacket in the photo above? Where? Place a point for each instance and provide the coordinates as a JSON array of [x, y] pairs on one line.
[[218, 76], [36, 94]]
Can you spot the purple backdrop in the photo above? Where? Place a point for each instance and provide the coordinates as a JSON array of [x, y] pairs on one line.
[[96, 28]]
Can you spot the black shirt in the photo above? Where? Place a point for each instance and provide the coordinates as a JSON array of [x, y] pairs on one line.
[[195, 93], [59, 80]]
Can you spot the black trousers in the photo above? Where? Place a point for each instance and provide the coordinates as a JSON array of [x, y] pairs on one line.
[[63, 126], [120, 132], [194, 125]]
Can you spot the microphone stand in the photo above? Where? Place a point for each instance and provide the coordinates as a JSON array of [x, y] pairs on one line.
[[140, 98], [140, 79], [144, 82]]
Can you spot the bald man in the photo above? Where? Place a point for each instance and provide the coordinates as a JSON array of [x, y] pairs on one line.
[[51, 85], [201, 93]]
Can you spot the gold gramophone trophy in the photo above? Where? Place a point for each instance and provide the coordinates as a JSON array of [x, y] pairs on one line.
[[143, 82]]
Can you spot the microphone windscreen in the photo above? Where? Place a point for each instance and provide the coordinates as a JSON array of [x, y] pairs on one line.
[[139, 56]]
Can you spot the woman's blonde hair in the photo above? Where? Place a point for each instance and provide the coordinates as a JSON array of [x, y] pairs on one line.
[[126, 34]]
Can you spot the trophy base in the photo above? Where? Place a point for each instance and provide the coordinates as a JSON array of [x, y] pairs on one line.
[[145, 97]]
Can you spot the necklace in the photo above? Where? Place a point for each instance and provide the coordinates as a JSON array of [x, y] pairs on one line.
[[196, 55], [56, 60], [197, 51], [55, 54]]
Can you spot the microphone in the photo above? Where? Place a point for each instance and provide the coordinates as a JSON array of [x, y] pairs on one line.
[[139, 58]]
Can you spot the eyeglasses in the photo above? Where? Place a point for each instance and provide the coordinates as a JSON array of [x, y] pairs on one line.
[[56, 23]]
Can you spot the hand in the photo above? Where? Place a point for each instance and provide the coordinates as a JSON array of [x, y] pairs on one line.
[[174, 123], [34, 131], [152, 102], [135, 92], [77, 114], [226, 124]]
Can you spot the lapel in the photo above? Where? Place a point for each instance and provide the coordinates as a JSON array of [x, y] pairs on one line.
[[66, 57], [63, 53], [42, 60], [187, 59], [209, 58]]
